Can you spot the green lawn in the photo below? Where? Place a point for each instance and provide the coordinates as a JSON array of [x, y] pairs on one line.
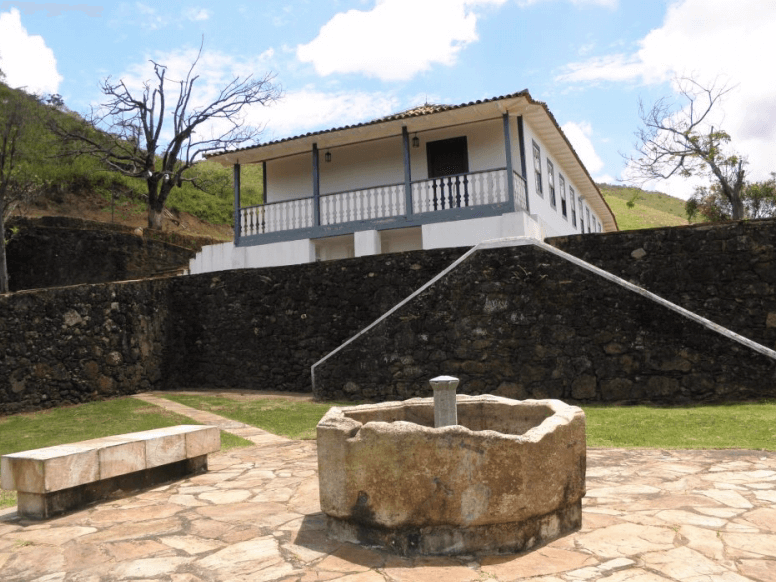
[[69, 424], [290, 418], [721, 426]]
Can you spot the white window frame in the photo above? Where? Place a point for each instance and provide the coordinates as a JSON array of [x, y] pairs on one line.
[[562, 188], [537, 158]]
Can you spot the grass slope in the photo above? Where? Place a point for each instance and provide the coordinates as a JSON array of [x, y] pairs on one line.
[[650, 210]]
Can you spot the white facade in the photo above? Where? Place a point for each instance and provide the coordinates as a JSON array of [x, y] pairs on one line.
[[345, 193]]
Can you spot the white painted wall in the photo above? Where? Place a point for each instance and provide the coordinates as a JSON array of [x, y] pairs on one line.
[[401, 240], [335, 247], [464, 233], [375, 163], [290, 178], [553, 218], [226, 256], [367, 242]]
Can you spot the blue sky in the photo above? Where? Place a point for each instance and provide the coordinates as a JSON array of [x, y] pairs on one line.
[[347, 61]]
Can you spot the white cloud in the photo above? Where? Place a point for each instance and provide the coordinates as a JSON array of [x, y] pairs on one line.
[[25, 59], [197, 14], [395, 40], [309, 109], [605, 3], [579, 136], [708, 40]]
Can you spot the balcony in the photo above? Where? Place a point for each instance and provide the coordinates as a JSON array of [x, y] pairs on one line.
[[444, 199]]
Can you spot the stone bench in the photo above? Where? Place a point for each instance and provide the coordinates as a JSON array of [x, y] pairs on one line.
[[56, 479]]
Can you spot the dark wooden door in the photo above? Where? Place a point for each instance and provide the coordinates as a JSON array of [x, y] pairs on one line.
[[447, 157]]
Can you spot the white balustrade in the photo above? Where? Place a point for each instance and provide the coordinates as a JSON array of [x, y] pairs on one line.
[[277, 216], [475, 189], [520, 192], [459, 191], [367, 204]]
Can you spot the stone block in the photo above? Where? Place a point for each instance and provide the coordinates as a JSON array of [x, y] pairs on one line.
[[162, 445], [205, 440], [50, 468]]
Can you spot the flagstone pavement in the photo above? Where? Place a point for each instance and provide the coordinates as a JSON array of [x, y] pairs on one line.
[[649, 516]]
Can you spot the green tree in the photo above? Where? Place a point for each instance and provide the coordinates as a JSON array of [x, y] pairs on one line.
[[680, 141], [22, 145], [148, 135], [757, 198]]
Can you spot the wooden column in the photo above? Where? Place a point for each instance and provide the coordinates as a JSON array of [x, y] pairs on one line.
[[521, 139], [316, 188], [405, 139], [236, 171], [508, 150]]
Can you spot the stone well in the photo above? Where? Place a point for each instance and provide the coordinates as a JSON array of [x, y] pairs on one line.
[[509, 476]]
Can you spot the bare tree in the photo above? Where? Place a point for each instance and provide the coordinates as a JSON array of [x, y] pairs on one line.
[[20, 128], [682, 142], [136, 135]]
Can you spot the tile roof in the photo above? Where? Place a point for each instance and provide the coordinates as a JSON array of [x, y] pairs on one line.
[[419, 111]]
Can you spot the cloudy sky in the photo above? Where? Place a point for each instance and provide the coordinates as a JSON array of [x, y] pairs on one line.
[[346, 61]]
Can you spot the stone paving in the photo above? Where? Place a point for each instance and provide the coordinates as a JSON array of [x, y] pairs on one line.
[[649, 516]]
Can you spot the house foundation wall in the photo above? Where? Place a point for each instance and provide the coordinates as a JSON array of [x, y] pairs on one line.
[[524, 322], [263, 328]]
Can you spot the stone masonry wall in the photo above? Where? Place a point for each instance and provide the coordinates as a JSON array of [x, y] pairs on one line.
[[726, 272], [81, 343], [56, 251], [254, 329], [524, 323], [263, 329], [520, 324]]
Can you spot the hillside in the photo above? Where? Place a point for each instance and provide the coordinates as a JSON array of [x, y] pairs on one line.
[[650, 209], [66, 184]]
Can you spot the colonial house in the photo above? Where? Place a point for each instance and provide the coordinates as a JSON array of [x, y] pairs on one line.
[[432, 177]]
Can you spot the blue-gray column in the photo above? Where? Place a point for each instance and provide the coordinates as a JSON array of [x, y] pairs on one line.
[[405, 138], [316, 188], [521, 139], [236, 204], [508, 150]]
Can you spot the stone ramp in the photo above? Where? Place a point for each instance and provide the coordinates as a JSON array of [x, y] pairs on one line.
[[256, 435], [649, 516]]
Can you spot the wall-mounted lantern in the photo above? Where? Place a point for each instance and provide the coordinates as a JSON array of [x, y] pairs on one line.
[[416, 141], [327, 157]]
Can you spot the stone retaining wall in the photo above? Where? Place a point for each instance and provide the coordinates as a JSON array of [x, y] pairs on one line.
[[520, 324], [81, 343], [262, 329], [523, 322], [257, 329], [57, 251], [725, 272]]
